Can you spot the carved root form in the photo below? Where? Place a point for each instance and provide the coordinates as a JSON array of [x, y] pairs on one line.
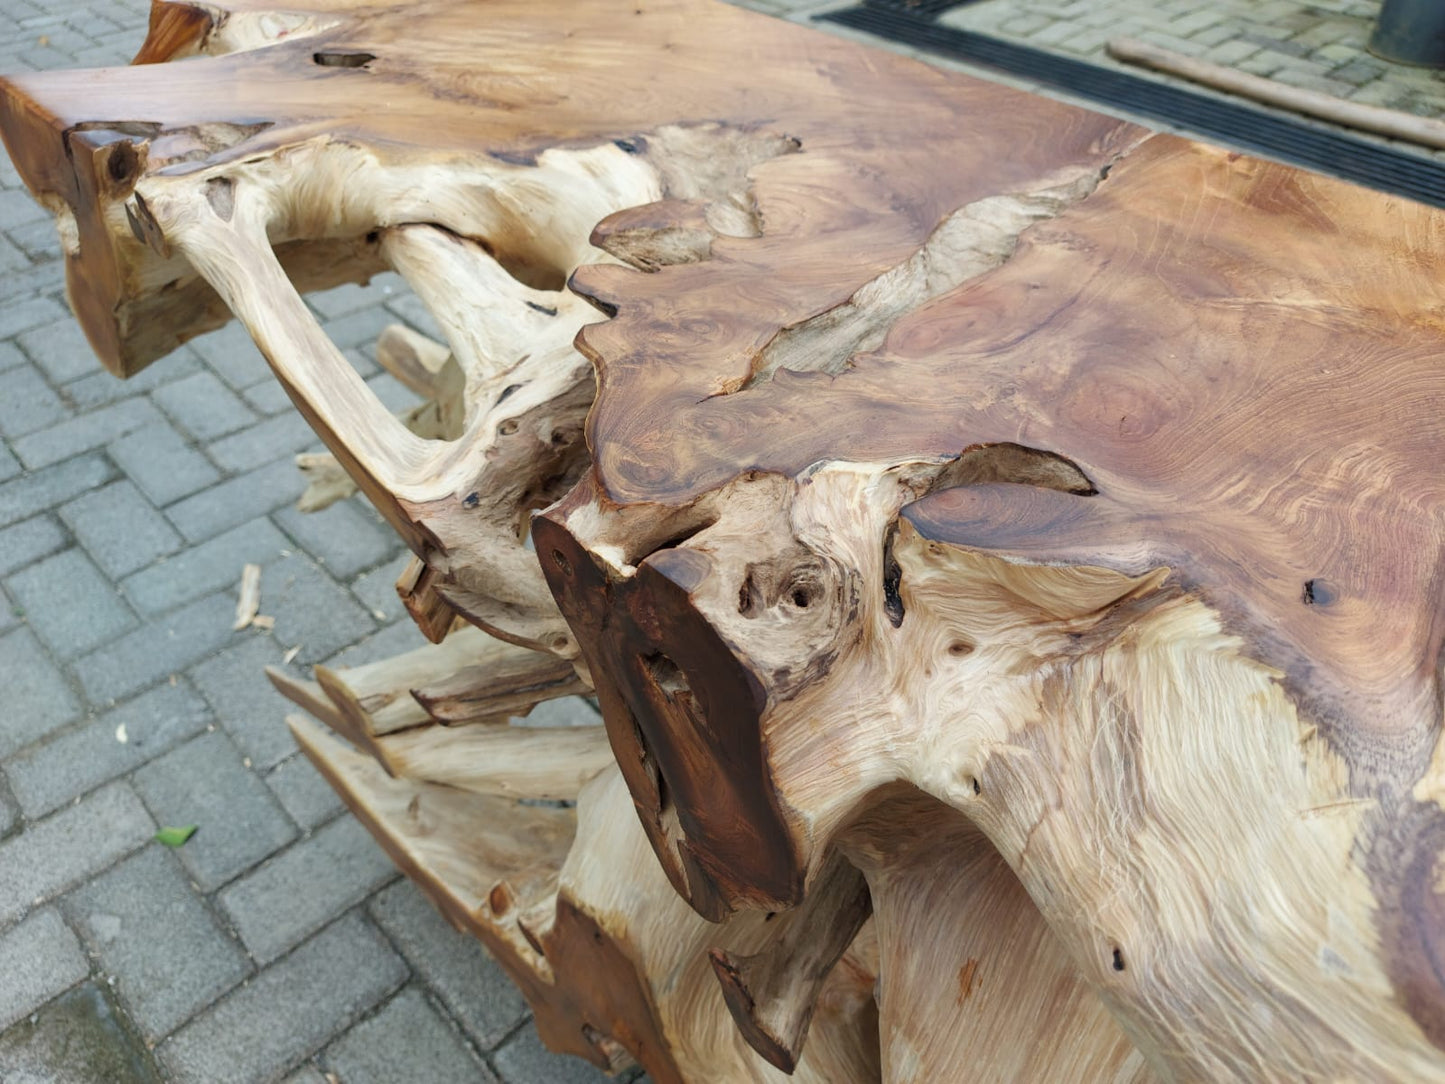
[[1003, 543]]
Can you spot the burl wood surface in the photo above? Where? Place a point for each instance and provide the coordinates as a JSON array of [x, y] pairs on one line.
[[1037, 516]]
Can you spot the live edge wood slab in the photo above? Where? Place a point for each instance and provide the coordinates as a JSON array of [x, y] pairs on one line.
[[1006, 544]]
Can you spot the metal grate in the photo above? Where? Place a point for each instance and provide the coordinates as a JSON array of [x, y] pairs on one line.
[[1283, 137]]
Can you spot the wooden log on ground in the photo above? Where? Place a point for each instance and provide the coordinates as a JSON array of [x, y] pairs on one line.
[[980, 504]]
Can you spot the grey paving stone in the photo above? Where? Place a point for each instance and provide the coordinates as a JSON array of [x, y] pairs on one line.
[[237, 500], [161, 463], [567, 711], [280, 903], [26, 402], [251, 711], [363, 361], [376, 590], [288, 1011], [78, 1038], [311, 609], [392, 640], [303, 792], [232, 355], [524, 1060], [9, 465], [203, 406], [38, 959], [24, 314], [37, 698], [29, 541], [69, 604], [406, 1040], [238, 821], [347, 537], [454, 966], [60, 349], [46, 776], [284, 435], [307, 1074], [41, 490], [358, 328], [52, 855], [269, 397], [158, 649], [10, 356], [38, 240], [169, 955], [350, 297], [119, 528], [394, 395], [410, 309], [99, 388], [18, 208], [76, 435], [211, 566]]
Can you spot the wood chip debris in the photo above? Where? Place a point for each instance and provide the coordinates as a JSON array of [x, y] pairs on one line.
[[249, 601]]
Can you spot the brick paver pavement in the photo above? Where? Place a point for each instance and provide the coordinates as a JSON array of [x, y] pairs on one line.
[[279, 943]]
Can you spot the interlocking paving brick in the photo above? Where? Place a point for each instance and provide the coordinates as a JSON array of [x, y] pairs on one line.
[[119, 528], [394, 395], [377, 590], [37, 698], [22, 315], [38, 959], [232, 355], [566, 711], [10, 356], [283, 901], [211, 566], [455, 966], [392, 640], [18, 209], [288, 1011], [203, 406], [76, 1039], [357, 328], [524, 1060], [46, 776], [156, 650], [52, 855], [237, 500], [250, 710], [69, 604], [350, 297], [300, 788], [410, 309], [39, 491], [169, 955], [29, 541], [238, 821], [40, 242], [61, 349], [76, 435], [283, 435], [346, 538], [406, 1040], [311, 609], [26, 402], [161, 463], [307, 1074], [99, 388], [269, 397]]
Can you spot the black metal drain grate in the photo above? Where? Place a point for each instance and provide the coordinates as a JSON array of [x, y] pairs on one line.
[[1275, 136]]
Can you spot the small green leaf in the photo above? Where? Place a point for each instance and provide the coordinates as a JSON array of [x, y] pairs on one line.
[[174, 837]]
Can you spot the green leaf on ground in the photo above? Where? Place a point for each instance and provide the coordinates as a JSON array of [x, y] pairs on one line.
[[174, 837]]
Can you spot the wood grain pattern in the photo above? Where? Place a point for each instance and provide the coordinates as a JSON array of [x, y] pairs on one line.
[[1031, 518]]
